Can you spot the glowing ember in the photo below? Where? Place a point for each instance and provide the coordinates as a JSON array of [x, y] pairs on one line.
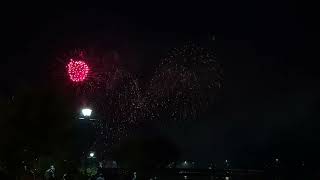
[[77, 70]]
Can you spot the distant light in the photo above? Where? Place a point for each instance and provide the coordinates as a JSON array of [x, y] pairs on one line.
[[185, 177], [185, 162], [227, 178], [277, 160], [86, 112]]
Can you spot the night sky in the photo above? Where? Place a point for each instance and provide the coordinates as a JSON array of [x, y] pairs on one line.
[[267, 107]]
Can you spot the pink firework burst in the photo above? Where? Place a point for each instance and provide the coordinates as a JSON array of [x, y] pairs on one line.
[[77, 70]]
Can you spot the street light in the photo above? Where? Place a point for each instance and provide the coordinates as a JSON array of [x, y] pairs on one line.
[[86, 112], [91, 155]]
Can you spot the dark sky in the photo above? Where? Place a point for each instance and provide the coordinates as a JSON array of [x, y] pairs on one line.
[[268, 105]]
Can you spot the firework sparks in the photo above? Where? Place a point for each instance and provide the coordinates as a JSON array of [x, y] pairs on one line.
[[184, 84]]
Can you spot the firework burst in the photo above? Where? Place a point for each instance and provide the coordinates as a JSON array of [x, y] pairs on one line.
[[185, 82], [78, 70]]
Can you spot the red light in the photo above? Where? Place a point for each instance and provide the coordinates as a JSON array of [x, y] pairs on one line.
[[77, 70]]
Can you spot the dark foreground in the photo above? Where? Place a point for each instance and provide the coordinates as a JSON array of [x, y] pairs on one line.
[[183, 174]]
